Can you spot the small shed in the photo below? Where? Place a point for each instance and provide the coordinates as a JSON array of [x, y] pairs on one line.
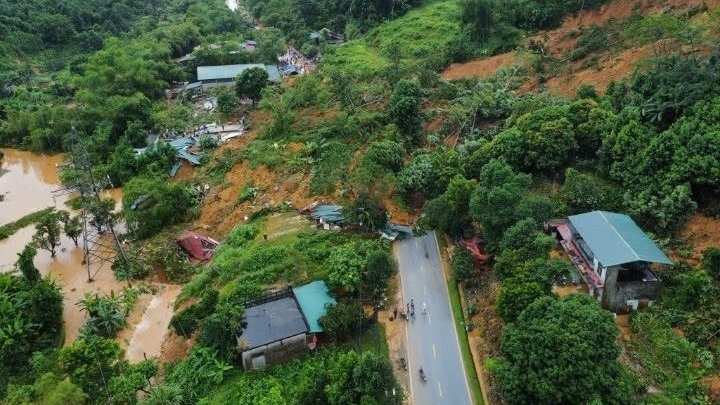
[[327, 216]]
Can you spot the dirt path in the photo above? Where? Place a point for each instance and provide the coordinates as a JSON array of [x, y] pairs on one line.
[[395, 335]]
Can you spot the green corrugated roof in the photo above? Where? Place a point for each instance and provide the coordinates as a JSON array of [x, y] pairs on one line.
[[616, 239], [312, 299], [225, 72]]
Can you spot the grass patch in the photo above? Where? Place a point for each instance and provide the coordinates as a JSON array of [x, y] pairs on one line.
[[668, 359], [374, 340], [355, 58], [421, 33], [459, 317], [246, 258], [8, 230]]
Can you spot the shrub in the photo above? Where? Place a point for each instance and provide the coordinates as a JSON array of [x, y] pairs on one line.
[[186, 321], [461, 263], [387, 154]]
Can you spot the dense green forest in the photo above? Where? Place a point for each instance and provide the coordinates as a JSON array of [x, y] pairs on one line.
[[476, 156]]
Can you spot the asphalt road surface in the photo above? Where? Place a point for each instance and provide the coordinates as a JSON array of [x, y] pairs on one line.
[[431, 339]]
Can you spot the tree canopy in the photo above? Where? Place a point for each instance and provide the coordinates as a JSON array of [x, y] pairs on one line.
[[575, 340]]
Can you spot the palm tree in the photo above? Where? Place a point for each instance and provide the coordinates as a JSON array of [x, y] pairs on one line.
[[105, 314], [169, 394]]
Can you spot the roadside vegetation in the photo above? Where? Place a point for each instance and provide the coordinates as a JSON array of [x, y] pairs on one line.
[[378, 130]]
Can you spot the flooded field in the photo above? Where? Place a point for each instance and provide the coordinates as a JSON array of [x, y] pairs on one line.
[[26, 184]]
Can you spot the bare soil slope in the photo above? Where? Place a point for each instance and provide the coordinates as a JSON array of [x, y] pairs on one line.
[[608, 66]]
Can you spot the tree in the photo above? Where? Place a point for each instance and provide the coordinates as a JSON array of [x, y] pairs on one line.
[[72, 226], [711, 261], [137, 377], [388, 154], [582, 192], [525, 237], [30, 321], [540, 141], [379, 269], [250, 83], [404, 110], [218, 330], [516, 293], [91, 362], [49, 389], [343, 319], [494, 201], [26, 265], [168, 204], [346, 264], [450, 212], [478, 16], [47, 232], [461, 263], [226, 100], [105, 314], [102, 215], [367, 211], [563, 351], [373, 380]]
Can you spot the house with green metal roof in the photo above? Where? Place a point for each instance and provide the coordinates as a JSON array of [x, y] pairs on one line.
[[224, 75], [281, 325], [614, 256]]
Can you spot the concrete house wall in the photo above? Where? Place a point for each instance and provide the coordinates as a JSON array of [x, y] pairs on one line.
[[622, 296], [275, 353]]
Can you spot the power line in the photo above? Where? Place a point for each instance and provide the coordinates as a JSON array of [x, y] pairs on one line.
[[100, 242]]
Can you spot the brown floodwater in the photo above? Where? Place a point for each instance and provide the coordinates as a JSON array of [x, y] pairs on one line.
[[144, 341], [26, 182]]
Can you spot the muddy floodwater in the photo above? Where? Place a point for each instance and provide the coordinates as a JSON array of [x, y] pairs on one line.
[[26, 184]]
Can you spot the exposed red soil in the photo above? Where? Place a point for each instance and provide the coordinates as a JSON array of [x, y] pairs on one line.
[[480, 68], [701, 232], [560, 40], [609, 66]]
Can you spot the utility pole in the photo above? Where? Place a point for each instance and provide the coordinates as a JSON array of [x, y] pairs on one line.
[[100, 242]]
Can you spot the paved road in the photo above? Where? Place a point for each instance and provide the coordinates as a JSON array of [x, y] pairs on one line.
[[431, 338]]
